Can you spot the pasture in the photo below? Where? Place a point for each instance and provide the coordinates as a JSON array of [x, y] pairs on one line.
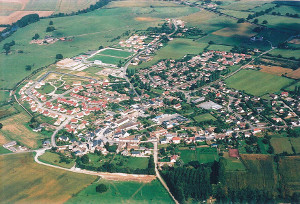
[[175, 49], [203, 155], [296, 144], [233, 164], [16, 128], [281, 144], [292, 87], [24, 181], [240, 29], [257, 83], [242, 5], [53, 158], [237, 14], [123, 192], [204, 117], [281, 22]]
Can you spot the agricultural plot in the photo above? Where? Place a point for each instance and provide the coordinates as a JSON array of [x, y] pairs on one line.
[[260, 174], [290, 174], [292, 87], [286, 53], [125, 192], [16, 128], [53, 158], [240, 29], [287, 9], [257, 83], [204, 117], [276, 70], [263, 7], [233, 164], [281, 22], [281, 144], [296, 144], [176, 49], [237, 14], [24, 181], [225, 48], [7, 110], [243, 5], [203, 155]]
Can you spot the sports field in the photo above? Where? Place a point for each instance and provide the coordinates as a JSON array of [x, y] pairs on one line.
[[257, 83], [24, 181], [107, 59], [203, 155], [204, 117], [123, 192], [116, 53]]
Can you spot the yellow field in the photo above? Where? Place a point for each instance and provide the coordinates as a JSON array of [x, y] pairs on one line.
[[242, 29], [24, 181], [295, 74], [275, 70], [14, 129], [149, 19]]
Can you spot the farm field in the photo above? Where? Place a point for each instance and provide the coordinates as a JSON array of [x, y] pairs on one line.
[[260, 174], [123, 192], [225, 48], [287, 9], [286, 53], [292, 87], [15, 128], [24, 181], [281, 22], [281, 144], [263, 7], [4, 151], [240, 29], [289, 171], [175, 49], [116, 53], [204, 117], [257, 83], [296, 144], [7, 110], [233, 164], [237, 14], [116, 21], [53, 158], [276, 70], [203, 155], [242, 5]]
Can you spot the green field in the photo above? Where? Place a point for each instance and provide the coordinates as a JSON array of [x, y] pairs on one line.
[[281, 144], [292, 87], [3, 150], [286, 53], [53, 158], [281, 22], [225, 48], [243, 5], [203, 155], [263, 7], [41, 5], [287, 9], [24, 181], [175, 49], [107, 59], [296, 144], [96, 28], [204, 117], [233, 164], [257, 83], [116, 53], [124, 192], [237, 14], [46, 89]]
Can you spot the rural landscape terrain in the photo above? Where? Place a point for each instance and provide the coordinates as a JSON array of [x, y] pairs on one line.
[[149, 101]]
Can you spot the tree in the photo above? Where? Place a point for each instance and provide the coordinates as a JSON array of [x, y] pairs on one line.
[[28, 67], [100, 47], [85, 159], [241, 20], [101, 188], [1, 125], [255, 21], [36, 36], [265, 22], [59, 56], [51, 23], [50, 29]]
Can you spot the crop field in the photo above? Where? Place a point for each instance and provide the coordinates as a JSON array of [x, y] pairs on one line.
[[286, 53], [99, 26], [290, 174], [15, 128], [203, 155], [241, 29], [260, 173], [24, 181], [281, 22], [175, 49], [4, 151], [116, 53], [237, 14], [140, 3], [204, 117], [123, 192], [296, 144], [292, 87], [243, 5], [275, 70], [295, 74], [53, 158], [257, 83], [281, 144]]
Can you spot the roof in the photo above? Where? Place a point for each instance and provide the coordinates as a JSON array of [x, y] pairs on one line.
[[234, 153]]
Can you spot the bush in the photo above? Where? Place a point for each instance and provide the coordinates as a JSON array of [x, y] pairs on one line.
[[101, 188]]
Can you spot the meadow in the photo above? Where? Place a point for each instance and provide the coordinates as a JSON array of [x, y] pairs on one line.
[[53, 158], [175, 49], [287, 24], [116, 53], [123, 192], [203, 155], [257, 83], [286, 53], [243, 5], [237, 14], [281, 144], [225, 48], [24, 181], [96, 28]]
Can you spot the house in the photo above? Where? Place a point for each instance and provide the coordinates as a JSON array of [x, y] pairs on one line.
[[174, 158], [136, 153], [256, 130], [177, 106], [176, 140], [234, 153]]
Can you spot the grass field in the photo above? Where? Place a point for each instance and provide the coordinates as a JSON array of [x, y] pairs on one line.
[[53, 158], [290, 174], [260, 174], [237, 14], [96, 28], [15, 128], [257, 83], [296, 144], [124, 192], [204, 117], [243, 5], [203, 155], [106, 59], [287, 9], [281, 144], [225, 48], [292, 87], [175, 49], [7, 110], [263, 7], [4, 151], [46, 89], [281, 22], [233, 164], [286, 53], [24, 181], [240, 29], [116, 53]]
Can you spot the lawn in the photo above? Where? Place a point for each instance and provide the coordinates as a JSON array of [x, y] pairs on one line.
[[46, 89], [257, 83], [204, 117], [124, 192], [281, 144], [53, 158], [203, 155], [96, 28], [24, 181], [176, 49], [16, 128], [107, 59], [116, 53]]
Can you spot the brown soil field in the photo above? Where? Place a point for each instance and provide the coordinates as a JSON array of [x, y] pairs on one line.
[[254, 156], [243, 29], [128, 177], [295, 41], [149, 19], [19, 14], [295, 74], [275, 70], [2, 28], [3, 139]]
